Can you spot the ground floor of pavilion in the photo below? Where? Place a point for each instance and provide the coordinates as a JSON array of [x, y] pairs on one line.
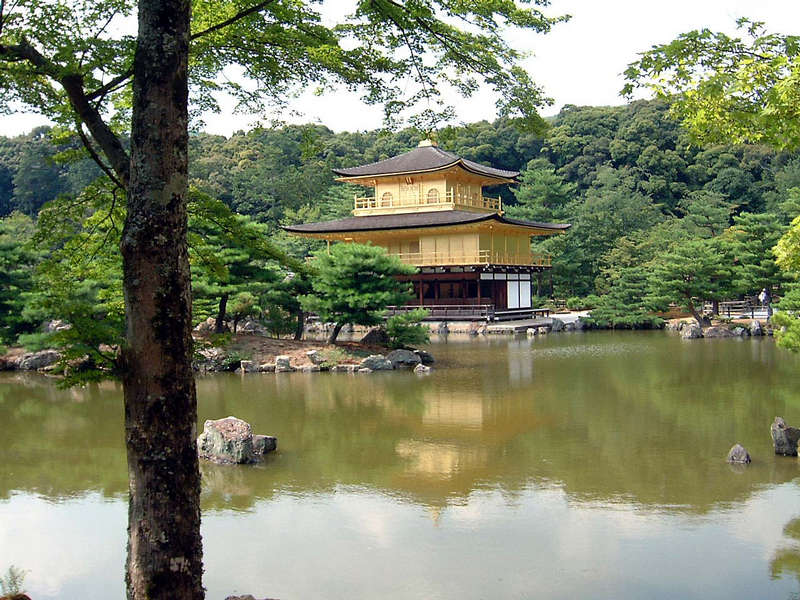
[[486, 292]]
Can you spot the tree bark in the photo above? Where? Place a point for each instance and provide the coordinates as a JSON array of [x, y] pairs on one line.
[[697, 316], [219, 324], [164, 546], [298, 331], [335, 333]]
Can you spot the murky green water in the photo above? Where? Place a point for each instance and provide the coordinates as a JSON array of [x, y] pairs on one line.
[[572, 466]]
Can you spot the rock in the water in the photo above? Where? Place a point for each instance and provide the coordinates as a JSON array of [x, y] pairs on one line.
[[248, 366], [404, 359], [718, 332], [740, 331], [691, 332], [266, 368], [230, 441], [569, 326], [738, 454], [264, 443], [443, 329], [580, 324], [283, 364], [316, 357], [376, 362], [425, 357], [784, 438], [310, 368], [755, 328], [376, 336], [556, 325], [422, 369], [532, 331], [38, 360], [364, 370]]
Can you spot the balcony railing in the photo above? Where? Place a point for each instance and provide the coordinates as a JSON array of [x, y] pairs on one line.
[[451, 198], [481, 257]]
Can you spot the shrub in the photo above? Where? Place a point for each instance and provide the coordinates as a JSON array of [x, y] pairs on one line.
[[589, 302], [405, 329]]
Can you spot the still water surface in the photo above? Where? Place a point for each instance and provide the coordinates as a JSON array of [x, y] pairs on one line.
[[571, 466]]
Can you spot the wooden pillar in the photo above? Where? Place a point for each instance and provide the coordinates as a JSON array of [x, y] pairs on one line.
[[539, 283], [421, 286], [479, 288]]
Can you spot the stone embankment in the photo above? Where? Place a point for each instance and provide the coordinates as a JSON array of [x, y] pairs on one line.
[[29, 361], [416, 360], [690, 330]]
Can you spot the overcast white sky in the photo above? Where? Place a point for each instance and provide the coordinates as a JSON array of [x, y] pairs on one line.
[[579, 62]]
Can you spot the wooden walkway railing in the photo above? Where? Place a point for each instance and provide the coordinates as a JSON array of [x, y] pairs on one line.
[[732, 309], [454, 312]]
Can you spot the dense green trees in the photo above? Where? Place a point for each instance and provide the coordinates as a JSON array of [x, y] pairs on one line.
[[18, 257], [353, 283], [746, 90], [618, 174]]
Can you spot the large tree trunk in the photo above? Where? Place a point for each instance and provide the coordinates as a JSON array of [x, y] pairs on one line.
[[164, 547], [219, 324]]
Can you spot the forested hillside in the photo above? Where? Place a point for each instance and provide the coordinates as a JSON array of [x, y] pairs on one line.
[[627, 178]]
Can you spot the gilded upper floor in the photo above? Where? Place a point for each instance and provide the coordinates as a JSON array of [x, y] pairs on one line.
[[425, 179]]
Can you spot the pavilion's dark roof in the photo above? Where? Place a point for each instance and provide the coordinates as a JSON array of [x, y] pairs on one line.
[[415, 220], [420, 160]]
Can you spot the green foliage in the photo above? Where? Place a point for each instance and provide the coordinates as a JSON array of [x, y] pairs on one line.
[[11, 583], [405, 329], [232, 360], [333, 356], [707, 213], [751, 240], [243, 305], [80, 282], [625, 305], [354, 283], [543, 195], [787, 250], [589, 302], [230, 256], [787, 320], [727, 89], [398, 55], [692, 272], [18, 259]]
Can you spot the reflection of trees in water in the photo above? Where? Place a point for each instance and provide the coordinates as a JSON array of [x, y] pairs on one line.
[[61, 443], [786, 560], [634, 417]]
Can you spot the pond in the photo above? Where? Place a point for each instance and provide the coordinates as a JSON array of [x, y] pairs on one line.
[[580, 465]]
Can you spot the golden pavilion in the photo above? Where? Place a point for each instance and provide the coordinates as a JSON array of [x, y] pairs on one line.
[[427, 208]]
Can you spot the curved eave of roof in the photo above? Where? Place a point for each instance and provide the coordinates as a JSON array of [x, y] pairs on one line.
[[423, 160], [416, 221]]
